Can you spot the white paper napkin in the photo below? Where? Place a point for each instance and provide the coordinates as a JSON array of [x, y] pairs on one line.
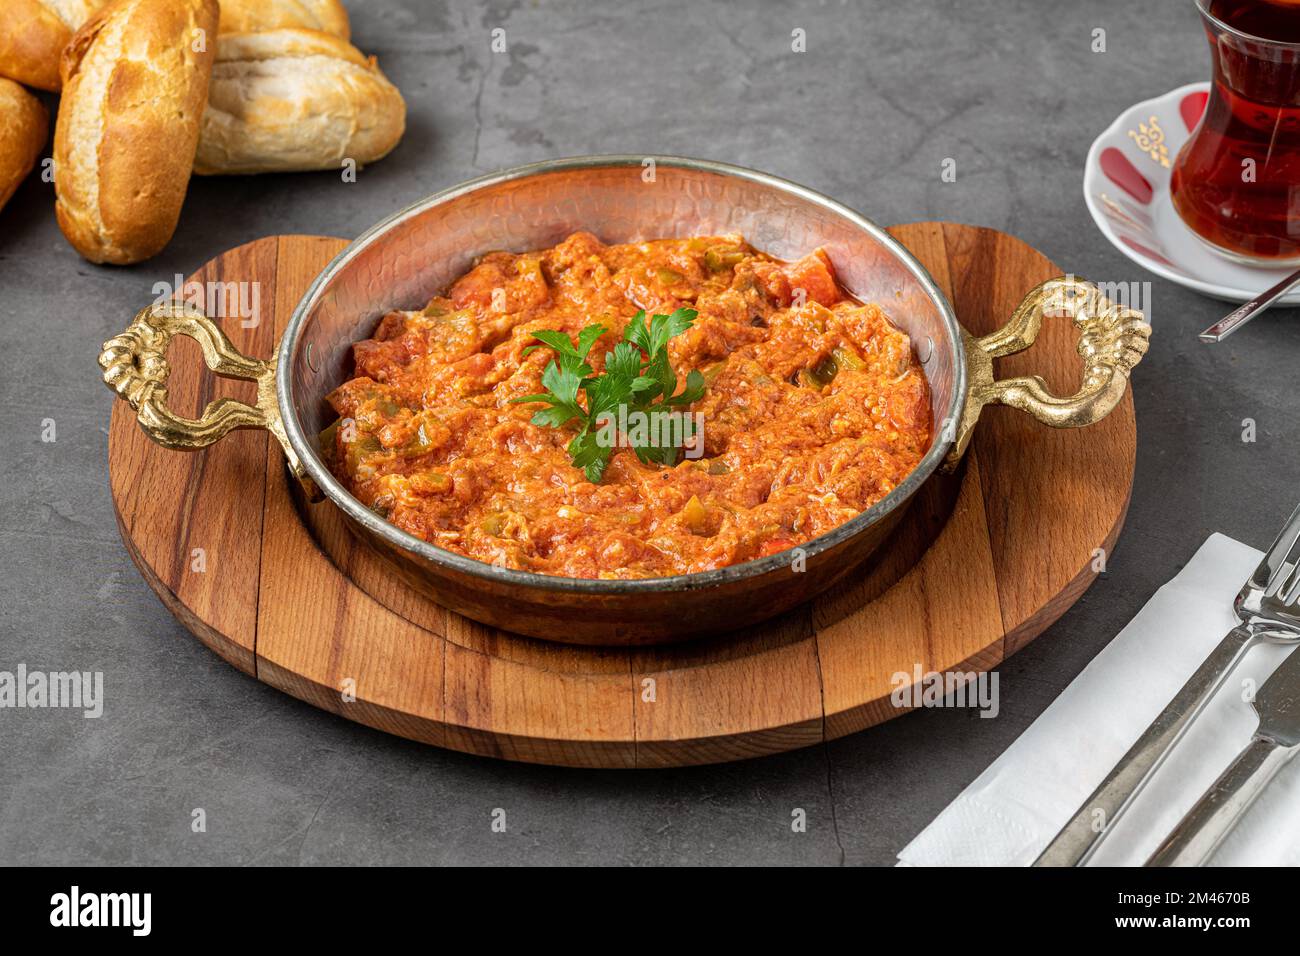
[[1012, 810]]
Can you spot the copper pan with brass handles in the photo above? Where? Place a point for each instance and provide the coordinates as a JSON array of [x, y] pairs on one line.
[[404, 260]]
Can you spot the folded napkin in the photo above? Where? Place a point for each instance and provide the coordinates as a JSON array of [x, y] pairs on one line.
[[1012, 810]]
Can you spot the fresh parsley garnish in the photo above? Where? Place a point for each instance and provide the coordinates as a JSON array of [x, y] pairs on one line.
[[637, 377]]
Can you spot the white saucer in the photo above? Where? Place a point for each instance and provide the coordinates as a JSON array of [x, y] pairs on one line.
[[1126, 186]]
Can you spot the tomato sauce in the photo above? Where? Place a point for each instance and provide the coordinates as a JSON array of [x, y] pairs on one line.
[[815, 409]]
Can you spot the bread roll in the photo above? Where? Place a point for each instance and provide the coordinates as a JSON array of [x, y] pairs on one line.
[[287, 100], [24, 127], [250, 16], [135, 78], [32, 35]]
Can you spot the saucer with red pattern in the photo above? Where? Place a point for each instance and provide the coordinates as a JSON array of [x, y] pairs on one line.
[[1126, 186]]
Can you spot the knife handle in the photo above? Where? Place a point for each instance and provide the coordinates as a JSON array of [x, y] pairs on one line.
[[1200, 832], [1081, 836]]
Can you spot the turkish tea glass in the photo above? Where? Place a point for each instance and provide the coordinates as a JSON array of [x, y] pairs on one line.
[[1236, 182]]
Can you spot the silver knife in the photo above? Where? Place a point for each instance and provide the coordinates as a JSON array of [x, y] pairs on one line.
[[1269, 609], [1276, 739]]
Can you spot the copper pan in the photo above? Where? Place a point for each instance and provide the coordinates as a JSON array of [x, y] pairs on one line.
[[408, 257]]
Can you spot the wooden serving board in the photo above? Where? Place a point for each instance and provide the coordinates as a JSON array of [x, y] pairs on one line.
[[983, 562]]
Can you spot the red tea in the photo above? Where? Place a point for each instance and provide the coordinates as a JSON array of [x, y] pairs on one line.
[[1277, 20], [1236, 182]]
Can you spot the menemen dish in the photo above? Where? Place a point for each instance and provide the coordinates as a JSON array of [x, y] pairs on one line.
[[630, 411]]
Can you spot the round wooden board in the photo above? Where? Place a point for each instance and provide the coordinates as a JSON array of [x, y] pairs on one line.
[[982, 563]]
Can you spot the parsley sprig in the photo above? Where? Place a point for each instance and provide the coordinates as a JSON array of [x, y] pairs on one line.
[[637, 376]]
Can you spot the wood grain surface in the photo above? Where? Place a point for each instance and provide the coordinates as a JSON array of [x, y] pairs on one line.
[[984, 561]]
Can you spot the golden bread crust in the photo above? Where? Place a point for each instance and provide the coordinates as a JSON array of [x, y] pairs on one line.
[[292, 100], [24, 128], [135, 83]]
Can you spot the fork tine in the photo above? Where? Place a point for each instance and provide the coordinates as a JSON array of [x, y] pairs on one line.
[[1284, 554], [1272, 596], [1289, 589]]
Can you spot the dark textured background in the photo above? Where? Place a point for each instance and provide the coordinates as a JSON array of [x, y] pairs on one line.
[[885, 92]]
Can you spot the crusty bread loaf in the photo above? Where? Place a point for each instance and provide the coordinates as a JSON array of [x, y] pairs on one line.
[[32, 35], [287, 100], [24, 127], [135, 78], [250, 16]]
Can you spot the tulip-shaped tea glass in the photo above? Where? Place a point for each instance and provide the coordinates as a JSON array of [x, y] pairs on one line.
[[1236, 182]]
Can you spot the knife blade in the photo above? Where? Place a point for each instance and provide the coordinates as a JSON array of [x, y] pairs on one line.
[[1276, 740]]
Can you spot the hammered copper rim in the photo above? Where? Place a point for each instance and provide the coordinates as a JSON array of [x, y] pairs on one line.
[[288, 354]]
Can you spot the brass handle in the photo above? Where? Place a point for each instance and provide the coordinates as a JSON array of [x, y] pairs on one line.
[[135, 367], [1112, 341]]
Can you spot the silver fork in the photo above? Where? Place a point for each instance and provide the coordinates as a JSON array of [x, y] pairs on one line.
[[1263, 616], [1275, 741]]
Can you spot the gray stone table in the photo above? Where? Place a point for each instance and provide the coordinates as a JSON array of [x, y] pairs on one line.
[[885, 92]]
